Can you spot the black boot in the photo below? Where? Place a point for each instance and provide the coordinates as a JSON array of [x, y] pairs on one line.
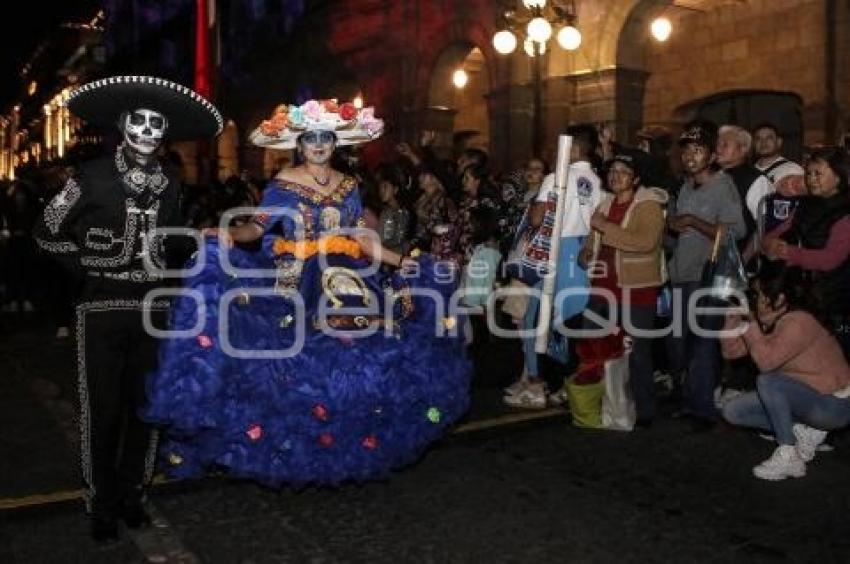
[[104, 527]]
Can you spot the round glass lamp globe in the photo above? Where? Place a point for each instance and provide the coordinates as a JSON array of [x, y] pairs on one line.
[[661, 29], [531, 4], [569, 38], [539, 30], [532, 48], [504, 42], [460, 78]]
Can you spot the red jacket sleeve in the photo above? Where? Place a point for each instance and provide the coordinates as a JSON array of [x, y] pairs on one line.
[[831, 256]]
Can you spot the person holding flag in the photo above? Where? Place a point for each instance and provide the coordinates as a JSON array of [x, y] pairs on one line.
[[582, 195]]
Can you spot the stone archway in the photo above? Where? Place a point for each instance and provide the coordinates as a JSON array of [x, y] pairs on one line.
[[454, 111], [632, 44], [606, 76]]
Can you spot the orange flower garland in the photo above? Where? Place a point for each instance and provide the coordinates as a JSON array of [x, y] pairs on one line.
[[333, 245]]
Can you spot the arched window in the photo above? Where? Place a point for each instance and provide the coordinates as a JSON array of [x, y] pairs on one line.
[[459, 110]]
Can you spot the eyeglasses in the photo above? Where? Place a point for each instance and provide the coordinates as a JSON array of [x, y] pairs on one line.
[[318, 137]]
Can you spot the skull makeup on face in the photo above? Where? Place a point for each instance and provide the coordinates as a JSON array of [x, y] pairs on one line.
[[317, 147], [144, 131]]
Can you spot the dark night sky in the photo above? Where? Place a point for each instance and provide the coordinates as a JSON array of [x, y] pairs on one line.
[[31, 21]]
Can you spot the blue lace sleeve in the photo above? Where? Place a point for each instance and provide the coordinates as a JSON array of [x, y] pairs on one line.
[[279, 217]]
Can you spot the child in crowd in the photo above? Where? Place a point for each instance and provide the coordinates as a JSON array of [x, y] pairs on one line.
[[479, 275]]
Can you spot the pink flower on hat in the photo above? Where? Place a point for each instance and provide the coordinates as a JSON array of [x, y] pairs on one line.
[[313, 110], [374, 128]]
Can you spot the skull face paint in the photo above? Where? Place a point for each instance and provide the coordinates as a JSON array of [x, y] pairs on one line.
[[317, 147], [144, 131]]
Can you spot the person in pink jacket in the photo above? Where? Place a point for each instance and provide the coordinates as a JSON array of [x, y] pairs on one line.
[[802, 391]]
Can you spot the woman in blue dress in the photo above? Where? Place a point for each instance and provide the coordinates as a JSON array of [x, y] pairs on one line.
[[298, 363]]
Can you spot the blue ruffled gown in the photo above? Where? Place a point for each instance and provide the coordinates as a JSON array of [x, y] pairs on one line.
[[344, 406]]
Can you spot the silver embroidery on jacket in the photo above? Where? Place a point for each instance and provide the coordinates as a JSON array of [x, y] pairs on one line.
[[83, 389], [136, 179], [100, 238], [136, 224], [59, 247], [58, 208]]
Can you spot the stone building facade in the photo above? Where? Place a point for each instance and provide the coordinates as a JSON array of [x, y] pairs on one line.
[[737, 61]]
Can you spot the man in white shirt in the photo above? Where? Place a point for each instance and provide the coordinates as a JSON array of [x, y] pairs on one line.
[[582, 195], [581, 198], [786, 176]]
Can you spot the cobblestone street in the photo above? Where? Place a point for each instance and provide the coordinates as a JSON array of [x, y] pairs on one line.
[[497, 491]]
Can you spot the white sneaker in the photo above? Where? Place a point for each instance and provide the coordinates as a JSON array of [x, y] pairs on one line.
[[785, 462], [808, 440], [532, 396], [722, 396], [559, 398], [515, 388]]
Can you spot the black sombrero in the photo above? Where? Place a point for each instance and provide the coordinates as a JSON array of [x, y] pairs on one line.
[[190, 115]]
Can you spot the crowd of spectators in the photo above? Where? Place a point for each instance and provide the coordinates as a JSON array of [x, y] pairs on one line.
[[655, 212]]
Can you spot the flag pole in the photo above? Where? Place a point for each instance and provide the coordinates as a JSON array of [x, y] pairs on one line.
[[562, 167]]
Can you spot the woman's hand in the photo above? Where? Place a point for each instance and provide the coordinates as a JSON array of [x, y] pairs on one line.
[[598, 221], [680, 223], [737, 323], [776, 249], [584, 257], [405, 150]]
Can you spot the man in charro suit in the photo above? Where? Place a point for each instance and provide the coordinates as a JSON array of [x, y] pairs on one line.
[[105, 222]]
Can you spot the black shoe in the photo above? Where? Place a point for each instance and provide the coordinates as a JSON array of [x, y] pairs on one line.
[[104, 528], [135, 516]]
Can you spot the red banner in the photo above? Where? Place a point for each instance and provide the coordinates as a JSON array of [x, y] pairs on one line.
[[203, 75]]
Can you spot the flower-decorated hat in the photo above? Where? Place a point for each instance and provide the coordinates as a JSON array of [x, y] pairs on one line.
[[190, 115], [352, 125]]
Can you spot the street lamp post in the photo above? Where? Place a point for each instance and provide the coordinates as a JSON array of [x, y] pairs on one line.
[[537, 103], [535, 28]]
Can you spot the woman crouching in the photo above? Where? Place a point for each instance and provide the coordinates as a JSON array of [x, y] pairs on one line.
[[802, 391]]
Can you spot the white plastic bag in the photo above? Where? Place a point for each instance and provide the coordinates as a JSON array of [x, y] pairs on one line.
[[618, 405]]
